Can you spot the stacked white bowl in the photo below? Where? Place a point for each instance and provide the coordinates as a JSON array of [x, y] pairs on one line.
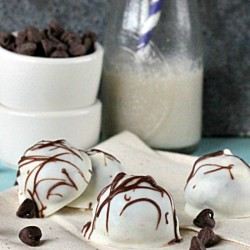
[[48, 99]]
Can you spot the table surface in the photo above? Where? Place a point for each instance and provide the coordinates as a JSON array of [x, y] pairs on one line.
[[238, 146]]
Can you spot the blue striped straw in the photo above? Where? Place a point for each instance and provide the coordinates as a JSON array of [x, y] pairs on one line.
[[151, 22]]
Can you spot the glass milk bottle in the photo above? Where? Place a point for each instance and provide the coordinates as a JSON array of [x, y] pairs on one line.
[[153, 71]]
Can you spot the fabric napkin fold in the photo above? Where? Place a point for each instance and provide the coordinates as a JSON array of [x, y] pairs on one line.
[[170, 170]]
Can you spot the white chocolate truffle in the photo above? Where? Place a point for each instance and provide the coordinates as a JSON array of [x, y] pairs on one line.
[[219, 181], [105, 167], [133, 211], [52, 174]]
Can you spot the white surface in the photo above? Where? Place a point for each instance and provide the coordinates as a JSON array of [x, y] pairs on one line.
[[45, 84], [20, 130], [63, 229]]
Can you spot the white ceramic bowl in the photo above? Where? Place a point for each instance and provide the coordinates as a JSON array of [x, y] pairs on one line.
[[20, 130], [49, 84]]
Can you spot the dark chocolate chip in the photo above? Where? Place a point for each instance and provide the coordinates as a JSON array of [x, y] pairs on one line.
[[33, 34], [61, 46], [90, 35], [208, 237], [6, 39], [3, 38], [77, 50], [15, 183], [11, 46], [26, 49], [48, 46], [28, 209], [87, 43], [21, 37], [51, 37], [55, 29], [59, 54], [90, 48], [70, 37], [30, 235], [39, 50], [196, 244], [89, 38], [205, 219]]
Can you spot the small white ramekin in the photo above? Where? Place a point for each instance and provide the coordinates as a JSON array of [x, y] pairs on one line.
[[49, 84], [19, 130]]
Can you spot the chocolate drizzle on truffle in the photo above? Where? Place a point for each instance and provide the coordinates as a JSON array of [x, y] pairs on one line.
[[60, 183], [90, 206], [41, 161], [166, 217], [127, 198], [106, 155], [122, 184], [217, 167], [54, 145], [146, 200]]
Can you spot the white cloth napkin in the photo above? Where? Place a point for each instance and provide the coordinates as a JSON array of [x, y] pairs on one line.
[[170, 170]]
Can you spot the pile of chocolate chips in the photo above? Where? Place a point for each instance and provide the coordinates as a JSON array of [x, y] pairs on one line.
[[53, 42]]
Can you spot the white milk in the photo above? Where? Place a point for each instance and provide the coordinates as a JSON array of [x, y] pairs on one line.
[[163, 107]]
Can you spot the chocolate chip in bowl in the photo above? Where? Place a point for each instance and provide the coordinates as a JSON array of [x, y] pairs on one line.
[[55, 29], [52, 41], [34, 35], [28, 49], [6, 38], [31, 235], [59, 53], [205, 219]]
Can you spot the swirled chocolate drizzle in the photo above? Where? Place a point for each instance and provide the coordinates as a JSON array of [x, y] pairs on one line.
[[123, 184], [216, 167], [36, 165]]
